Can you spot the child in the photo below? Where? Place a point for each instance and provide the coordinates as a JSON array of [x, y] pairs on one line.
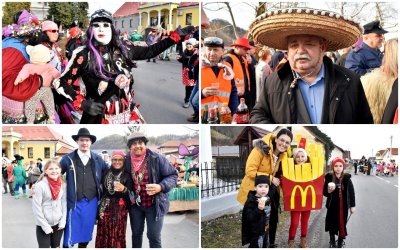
[[50, 206], [39, 57], [255, 217], [339, 191], [300, 157]]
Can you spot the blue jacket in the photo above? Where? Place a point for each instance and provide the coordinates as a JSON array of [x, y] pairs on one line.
[[160, 172], [68, 168], [363, 59]]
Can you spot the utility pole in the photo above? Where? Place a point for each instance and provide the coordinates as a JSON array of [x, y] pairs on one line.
[[390, 152]]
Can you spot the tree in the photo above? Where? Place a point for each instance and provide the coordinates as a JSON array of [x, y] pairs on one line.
[[11, 8], [68, 12]]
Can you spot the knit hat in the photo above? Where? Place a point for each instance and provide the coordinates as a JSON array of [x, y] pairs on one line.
[[74, 32], [261, 179], [117, 153], [336, 160], [297, 150], [191, 41], [49, 25], [38, 54], [136, 136]]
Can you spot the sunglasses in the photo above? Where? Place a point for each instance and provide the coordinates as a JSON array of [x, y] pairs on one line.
[[52, 31]]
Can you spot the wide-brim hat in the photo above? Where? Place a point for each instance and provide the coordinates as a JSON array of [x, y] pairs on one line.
[[242, 42], [18, 157], [84, 132], [274, 27]]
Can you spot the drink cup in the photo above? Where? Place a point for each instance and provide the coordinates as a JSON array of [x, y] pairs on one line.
[[331, 185]]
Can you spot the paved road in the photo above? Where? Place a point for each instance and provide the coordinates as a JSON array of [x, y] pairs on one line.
[[180, 230], [160, 92], [375, 223]]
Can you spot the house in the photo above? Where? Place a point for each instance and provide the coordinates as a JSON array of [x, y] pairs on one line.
[[390, 154], [126, 18], [40, 10], [170, 148], [33, 142]]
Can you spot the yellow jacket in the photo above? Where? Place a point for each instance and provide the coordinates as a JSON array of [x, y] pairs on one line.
[[259, 163]]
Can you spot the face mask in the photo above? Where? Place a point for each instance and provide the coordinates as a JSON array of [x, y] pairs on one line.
[[102, 32]]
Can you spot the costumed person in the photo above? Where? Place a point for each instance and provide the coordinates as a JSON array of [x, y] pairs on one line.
[[190, 53], [339, 190], [104, 63], [10, 177], [39, 56], [265, 159], [300, 157], [84, 170], [20, 178], [49, 206], [113, 208], [255, 215], [152, 38], [153, 177], [309, 88], [74, 41]]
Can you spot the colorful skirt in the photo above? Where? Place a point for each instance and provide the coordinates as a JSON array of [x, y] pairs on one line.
[[185, 78]]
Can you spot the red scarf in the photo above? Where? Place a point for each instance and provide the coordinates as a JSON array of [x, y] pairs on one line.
[[55, 187], [342, 232], [137, 161]]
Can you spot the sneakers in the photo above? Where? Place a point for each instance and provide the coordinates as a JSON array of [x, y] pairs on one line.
[[186, 105]]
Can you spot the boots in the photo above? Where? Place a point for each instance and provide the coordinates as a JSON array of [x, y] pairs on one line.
[[303, 242], [332, 244], [290, 243], [340, 243]]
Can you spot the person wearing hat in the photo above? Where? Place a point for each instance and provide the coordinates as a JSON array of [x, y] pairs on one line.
[[49, 37], [367, 57], [215, 70], [152, 38], [84, 170], [256, 213], [153, 177], [309, 88], [20, 177], [189, 54], [237, 59], [74, 41], [114, 204], [104, 63], [39, 164], [339, 190]]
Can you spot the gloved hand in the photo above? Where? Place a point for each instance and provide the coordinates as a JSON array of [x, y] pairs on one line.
[[92, 108]]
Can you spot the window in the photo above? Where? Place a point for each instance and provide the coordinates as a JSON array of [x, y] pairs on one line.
[[116, 24], [130, 23], [30, 152], [189, 19], [122, 23], [46, 152], [154, 21]]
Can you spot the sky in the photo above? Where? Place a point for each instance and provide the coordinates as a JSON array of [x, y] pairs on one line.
[[110, 6]]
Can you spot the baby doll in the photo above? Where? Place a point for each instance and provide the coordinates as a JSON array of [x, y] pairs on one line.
[[39, 57]]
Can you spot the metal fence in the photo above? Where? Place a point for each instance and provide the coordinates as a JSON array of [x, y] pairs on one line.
[[222, 176]]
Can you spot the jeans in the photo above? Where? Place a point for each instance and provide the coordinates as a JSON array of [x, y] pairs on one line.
[[49, 240], [194, 98], [137, 216]]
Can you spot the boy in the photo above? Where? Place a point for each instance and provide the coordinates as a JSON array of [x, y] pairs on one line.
[[255, 216]]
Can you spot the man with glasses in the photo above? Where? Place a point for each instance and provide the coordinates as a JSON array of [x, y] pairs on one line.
[[153, 177], [217, 79], [367, 57], [84, 170]]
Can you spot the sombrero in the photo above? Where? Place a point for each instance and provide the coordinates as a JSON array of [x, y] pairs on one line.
[[273, 27]]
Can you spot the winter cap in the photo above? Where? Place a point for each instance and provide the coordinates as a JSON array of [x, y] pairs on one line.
[[74, 32], [191, 41], [262, 179], [336, 160], [213, 41], [38, 54], [297, 150], [135, 137], [101, 14], [117, 153], [49, 25]]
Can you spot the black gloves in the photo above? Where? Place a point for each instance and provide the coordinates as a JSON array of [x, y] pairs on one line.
[[92, 108]]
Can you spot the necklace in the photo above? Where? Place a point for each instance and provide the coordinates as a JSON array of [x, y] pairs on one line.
[[109, 182], [138, 177], [294, 82]]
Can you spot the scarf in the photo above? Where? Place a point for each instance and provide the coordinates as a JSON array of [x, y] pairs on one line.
[[137, 161], [55, 187], [342, 232]]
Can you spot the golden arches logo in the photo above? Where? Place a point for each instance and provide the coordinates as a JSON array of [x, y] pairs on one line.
[[303, 193]]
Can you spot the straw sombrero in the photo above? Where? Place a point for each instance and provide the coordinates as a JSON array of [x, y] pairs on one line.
[[273, 27]]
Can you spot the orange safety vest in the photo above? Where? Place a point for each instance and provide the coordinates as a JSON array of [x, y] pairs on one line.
[[207, 78], [239, 75]]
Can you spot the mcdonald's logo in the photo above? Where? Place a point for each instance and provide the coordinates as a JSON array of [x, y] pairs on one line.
[[303, 194]]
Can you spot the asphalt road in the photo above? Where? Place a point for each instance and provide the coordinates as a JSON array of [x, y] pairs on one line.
[[180, 230], [375, 222], [160, 92]]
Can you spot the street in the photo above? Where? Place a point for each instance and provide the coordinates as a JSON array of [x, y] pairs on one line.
[[180, 230], [160, 92], [375, 222]]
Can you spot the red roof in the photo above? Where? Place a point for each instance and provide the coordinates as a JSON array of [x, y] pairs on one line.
[[36, 133], [128, 8], [64, 150], [186, 4]]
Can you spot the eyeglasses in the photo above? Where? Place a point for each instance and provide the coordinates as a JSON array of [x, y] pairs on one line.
[[52, 31], [287, 143]]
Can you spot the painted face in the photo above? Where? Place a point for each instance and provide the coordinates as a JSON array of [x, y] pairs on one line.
[[138, 148], [84, 144], [300, 158], [53, 171], [282, 143], [338, 168], [102, 32], [117, 162], [262, 189]]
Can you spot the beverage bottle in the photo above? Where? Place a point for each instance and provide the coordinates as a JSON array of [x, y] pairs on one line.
[[225, 114], [242, 113], [216, 110], [212, 118], [204, 117]]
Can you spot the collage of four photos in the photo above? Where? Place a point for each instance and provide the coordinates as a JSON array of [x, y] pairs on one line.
[[200, 124]]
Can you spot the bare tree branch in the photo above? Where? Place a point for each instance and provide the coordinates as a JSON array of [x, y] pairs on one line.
[[233, 18]]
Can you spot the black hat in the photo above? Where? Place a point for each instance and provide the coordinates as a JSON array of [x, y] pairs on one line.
[[261, 179], [136, 136], [374, 27], [39, 159], [84, 132], [213, 41], [101, 14], [18, 157]]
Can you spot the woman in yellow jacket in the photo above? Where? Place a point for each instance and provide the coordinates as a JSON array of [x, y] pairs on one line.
[[265, 159]]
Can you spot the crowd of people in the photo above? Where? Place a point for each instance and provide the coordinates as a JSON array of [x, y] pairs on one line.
[[90, 79], [308, 74]]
